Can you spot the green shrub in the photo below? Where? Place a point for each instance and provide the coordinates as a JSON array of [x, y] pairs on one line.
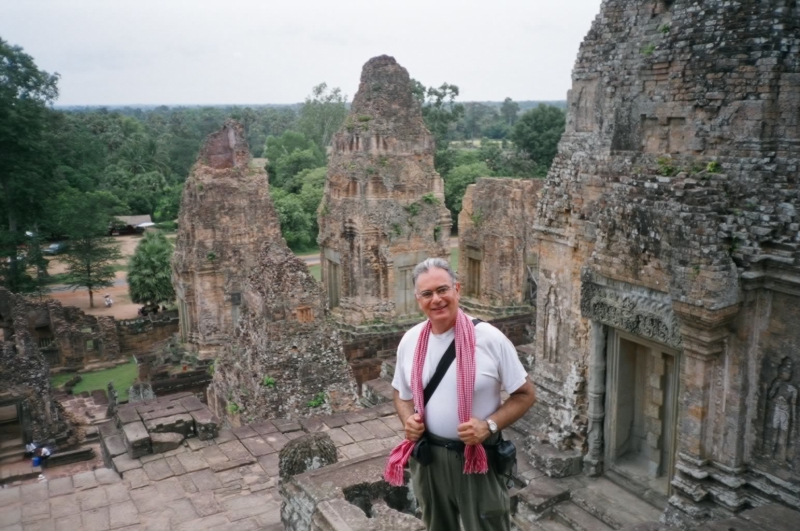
[[318, 400]]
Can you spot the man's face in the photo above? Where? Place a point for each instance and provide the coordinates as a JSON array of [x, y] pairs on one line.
[[437, 297]]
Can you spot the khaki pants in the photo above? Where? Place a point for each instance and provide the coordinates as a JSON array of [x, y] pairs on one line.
[[444, 493]]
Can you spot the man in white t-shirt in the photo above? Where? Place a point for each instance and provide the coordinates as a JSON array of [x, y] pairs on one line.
[[444, 492]]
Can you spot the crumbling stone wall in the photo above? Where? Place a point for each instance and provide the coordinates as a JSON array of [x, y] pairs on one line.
[[225, 217], [286, 359], [24, 372], [383, 206], [145, 334], [670, 214], [66, 336], [498, 254]]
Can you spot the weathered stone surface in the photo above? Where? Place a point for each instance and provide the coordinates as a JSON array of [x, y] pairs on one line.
[[287, 360], [225, 217], [164, 442], [555, 463], [383, 209], [498, 253], [127, 414], [309, 452], [534, 499], [668, 257], [137, 440], [339, 514], [358, 481], [182, 423], [206, 424], [232, 268], [25, 368]]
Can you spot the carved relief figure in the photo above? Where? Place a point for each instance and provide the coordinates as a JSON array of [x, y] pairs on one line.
[[781, 407], [551, 327]]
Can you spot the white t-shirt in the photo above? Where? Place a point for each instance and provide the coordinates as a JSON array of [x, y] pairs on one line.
[[497, 363]]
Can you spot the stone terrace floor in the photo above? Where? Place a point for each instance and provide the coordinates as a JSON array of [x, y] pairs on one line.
[[229, 483]]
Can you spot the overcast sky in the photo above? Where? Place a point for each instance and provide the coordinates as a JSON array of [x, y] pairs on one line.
[[111, 52]]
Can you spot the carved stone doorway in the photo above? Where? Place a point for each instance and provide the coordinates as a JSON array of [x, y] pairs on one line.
[[405, 302], [11, 433], [642, 382]]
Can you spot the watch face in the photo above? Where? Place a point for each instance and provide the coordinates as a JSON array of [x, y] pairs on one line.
[[492, 426]]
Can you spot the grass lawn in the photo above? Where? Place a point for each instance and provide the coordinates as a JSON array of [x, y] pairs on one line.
[[122, 376], [454, 259], [315, 271]]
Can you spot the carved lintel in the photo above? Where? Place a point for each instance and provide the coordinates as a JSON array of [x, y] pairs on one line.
[[633, 309]]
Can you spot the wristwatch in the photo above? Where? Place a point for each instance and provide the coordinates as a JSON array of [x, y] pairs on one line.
[[492, 425]]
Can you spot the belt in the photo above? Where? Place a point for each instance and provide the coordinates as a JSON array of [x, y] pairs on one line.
[[458, 446]]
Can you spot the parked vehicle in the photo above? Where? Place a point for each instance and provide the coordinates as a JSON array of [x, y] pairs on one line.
[[55, 248]]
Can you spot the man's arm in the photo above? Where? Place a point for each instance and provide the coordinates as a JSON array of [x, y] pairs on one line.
[[475, 431], [412, 422]]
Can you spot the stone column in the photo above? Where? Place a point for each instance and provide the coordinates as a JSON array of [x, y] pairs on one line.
[[704, 333], [593, 461]]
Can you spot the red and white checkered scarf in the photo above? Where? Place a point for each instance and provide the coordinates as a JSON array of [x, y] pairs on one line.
[[475, 461]]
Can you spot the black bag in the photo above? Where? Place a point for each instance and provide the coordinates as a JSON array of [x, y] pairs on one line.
[[422, 451], [505, 460]]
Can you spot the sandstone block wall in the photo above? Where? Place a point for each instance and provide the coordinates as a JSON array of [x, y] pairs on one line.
[[67, 337], [142, 336], [670, 214], [286, 359], [24, 371], [383, 208], [498, 254], [225, 217]]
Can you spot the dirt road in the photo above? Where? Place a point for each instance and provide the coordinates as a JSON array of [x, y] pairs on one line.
[[123, 308]]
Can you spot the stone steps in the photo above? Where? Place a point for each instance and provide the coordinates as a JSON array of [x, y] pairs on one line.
[[12, 455], [577, 519], [615, 506], [550, 525], [377, 391]]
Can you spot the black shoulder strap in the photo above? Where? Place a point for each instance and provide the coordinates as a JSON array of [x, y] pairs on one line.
[[441, 369]]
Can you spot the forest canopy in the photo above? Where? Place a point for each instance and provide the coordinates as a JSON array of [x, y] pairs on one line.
[[137, 159]]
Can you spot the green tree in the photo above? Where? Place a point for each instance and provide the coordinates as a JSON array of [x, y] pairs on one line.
[[439, 109], [322, 114], [90, 257], [25, 92], [288, 155], [456, 182], [169, 204], [477, 117], [149, 271], [509, 109], [296, 224], [537, 133]]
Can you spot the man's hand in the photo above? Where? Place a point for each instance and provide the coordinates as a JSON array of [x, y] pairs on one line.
[[474, 431], [414, 427]]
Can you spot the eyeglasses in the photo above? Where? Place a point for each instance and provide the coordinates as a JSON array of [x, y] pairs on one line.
[[441, 291]]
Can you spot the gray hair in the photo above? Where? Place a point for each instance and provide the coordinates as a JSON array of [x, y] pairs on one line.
[[431, 263]]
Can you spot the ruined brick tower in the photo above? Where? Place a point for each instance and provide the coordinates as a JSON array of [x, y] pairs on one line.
[[383, 209], [286, 359], [669, 262], [225, 217]]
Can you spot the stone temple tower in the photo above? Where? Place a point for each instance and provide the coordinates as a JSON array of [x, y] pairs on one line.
[[383, 209], [225, 215], [669, 258]]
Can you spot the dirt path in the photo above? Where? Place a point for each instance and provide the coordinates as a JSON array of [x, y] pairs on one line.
[[123, 308]]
